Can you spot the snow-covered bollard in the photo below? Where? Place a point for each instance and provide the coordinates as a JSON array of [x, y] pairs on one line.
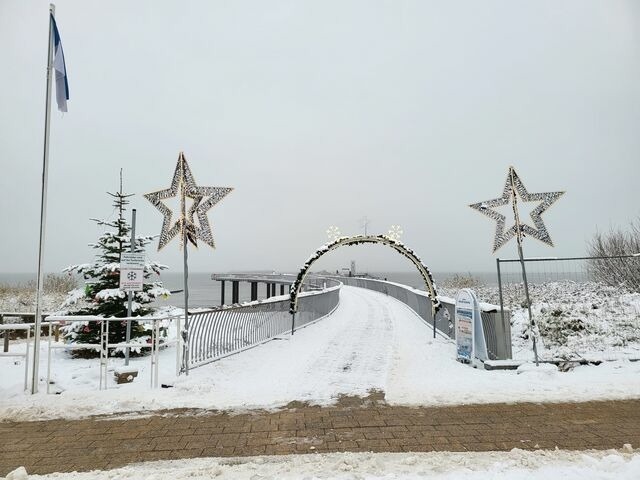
[[125, 374]]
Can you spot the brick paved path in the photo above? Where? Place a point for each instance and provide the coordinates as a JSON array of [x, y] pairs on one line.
[[352, 425]]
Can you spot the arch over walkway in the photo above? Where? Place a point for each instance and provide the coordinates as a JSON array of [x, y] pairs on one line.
[[357, 240]]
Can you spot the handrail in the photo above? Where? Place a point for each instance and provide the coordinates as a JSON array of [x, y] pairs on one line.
[[218, 333], [104, 345], [417, 300], [6, 327], [276, 298], [214, 333]]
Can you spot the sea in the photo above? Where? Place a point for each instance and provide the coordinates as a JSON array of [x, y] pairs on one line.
[[205, 292]]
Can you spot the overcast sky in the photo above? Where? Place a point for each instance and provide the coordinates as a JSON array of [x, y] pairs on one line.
[[320, 113]]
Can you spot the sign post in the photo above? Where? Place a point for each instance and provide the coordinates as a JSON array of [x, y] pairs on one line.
[[131, 271]]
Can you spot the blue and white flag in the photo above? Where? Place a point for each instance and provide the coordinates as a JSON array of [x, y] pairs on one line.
[[62, 86]]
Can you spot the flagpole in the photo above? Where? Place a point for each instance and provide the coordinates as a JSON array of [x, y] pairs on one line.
[[43, 210]]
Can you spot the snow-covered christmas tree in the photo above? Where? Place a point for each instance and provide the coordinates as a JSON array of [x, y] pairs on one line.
[[101, 295]]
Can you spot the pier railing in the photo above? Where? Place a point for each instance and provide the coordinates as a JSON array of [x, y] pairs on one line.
[[416, 300], [215, 334], [496, 327]]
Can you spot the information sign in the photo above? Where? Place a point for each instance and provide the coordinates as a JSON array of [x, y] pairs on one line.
[[465, 319], [131, 272]]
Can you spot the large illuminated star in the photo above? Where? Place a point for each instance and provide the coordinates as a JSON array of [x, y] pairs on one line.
[[514, 190], [203, 198]]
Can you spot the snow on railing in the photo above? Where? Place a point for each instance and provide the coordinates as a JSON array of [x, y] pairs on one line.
[[6, 328], [416, 300], [104, 346], [497, 329], [215, 334]]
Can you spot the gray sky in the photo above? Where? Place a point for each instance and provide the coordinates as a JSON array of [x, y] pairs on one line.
[[319, 113]]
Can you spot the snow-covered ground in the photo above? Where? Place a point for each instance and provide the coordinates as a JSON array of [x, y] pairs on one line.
[[370, 342], [513, 465], [581, 320], [576, 320], [23, 301]]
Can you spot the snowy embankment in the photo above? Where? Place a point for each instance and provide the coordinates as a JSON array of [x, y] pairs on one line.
[[23, 301], [576, 320], [370, 342], [513, 465]]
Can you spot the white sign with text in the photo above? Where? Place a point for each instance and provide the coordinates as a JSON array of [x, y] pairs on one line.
[[465, 318], [131, 272]]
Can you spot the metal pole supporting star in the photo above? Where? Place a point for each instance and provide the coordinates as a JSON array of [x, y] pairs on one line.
[[192, 225], [513, 191]]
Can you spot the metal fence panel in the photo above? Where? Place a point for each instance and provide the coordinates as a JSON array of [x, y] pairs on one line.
[[497, 331], [417, 301], [215, 334]]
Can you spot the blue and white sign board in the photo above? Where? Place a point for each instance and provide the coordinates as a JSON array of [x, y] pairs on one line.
[[470, 342], [465, 313]]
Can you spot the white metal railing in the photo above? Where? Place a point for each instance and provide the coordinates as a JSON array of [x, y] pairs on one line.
[[416, 300], [213, 334], [496, 327], [104, 346], [16, 318], [218, 333], [6, 327]]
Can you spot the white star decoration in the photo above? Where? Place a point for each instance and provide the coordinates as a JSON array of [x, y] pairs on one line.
[[395, 232], [514, 189], [333, 232], [184, 185]]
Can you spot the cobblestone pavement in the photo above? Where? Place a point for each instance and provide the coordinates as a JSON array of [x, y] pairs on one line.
[[354, 424]]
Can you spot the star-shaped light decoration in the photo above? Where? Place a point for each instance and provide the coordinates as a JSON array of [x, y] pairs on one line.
[[333, 232], [395, 232], [192, 223], [514, 190]]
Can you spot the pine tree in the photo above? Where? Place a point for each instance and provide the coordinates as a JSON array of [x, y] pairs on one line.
[[101, 295]]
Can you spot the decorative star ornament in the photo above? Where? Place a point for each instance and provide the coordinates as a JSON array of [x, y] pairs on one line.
[[193, 223], [333, 232], [395, 232], [513, 191]]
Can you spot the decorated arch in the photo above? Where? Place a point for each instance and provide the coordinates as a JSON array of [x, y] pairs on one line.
[[357, 240]]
